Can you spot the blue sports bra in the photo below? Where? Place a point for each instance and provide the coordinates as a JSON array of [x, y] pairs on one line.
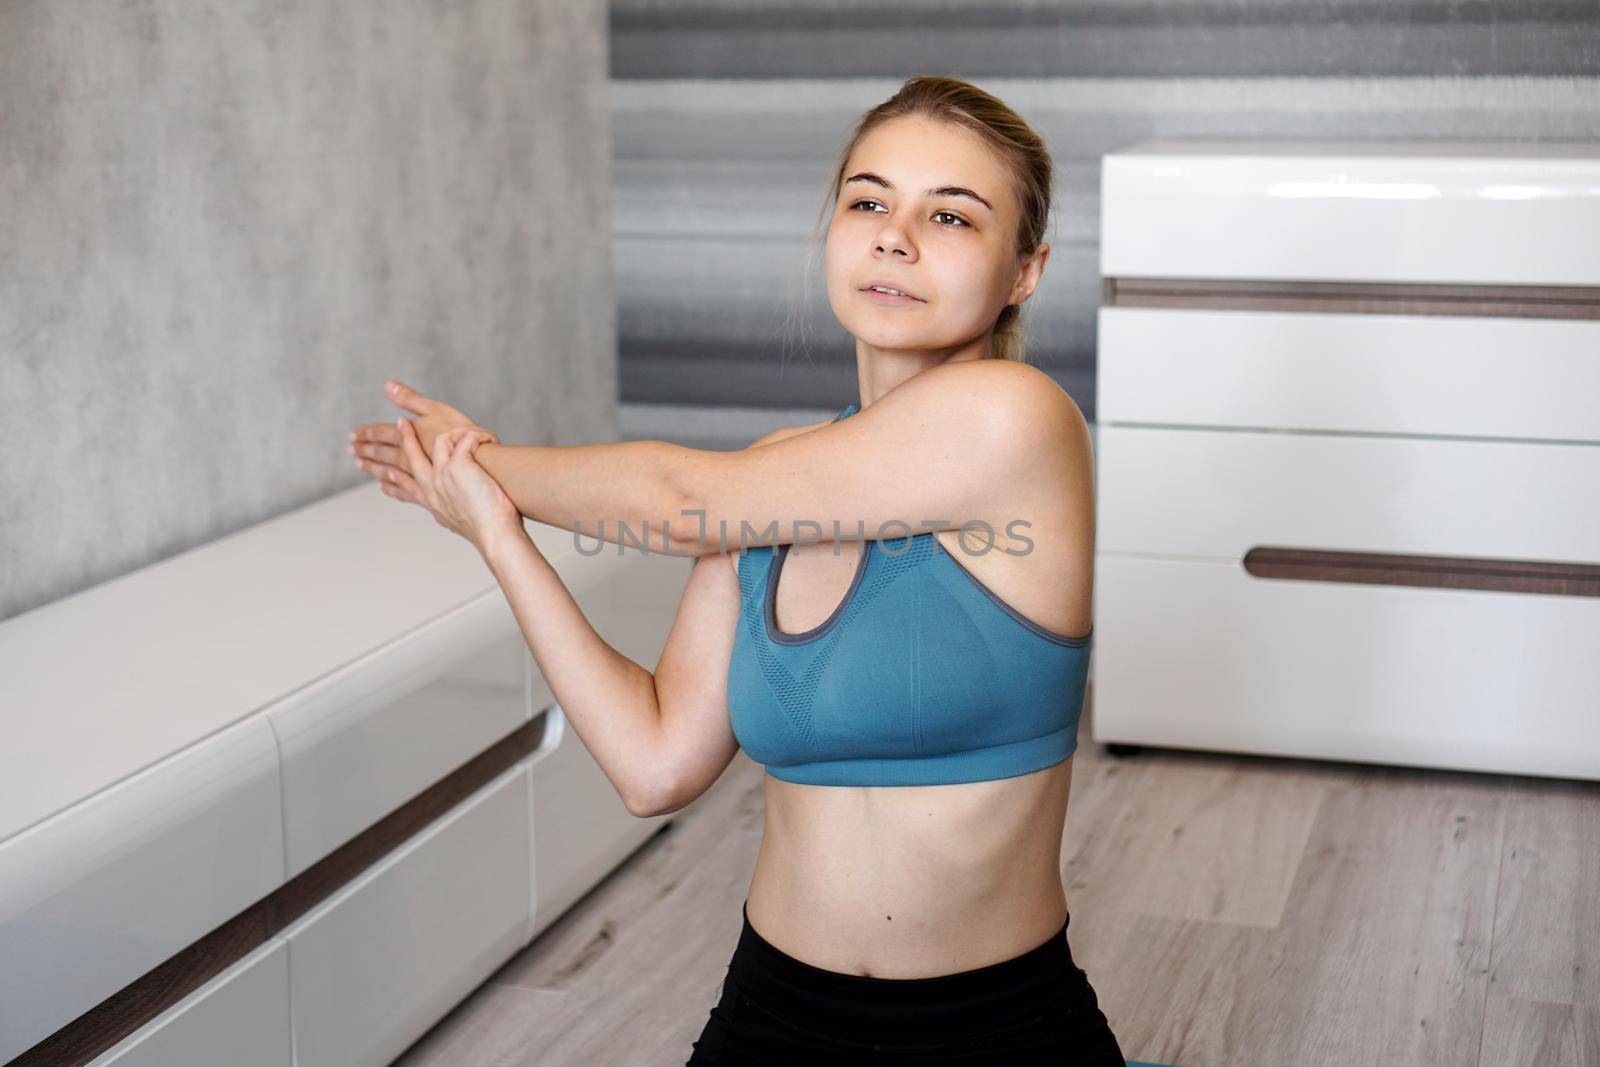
[[921, 676]]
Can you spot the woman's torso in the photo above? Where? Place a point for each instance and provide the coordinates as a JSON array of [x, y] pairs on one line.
[[908, 881], [911, 881]]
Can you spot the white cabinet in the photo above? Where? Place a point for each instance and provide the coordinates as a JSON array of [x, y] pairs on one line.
[[239, 1018], [379, 962], [1479, 214], [281, 695], [581, 828], [1195, 493], [1351, 373], [97, 895], [1375, 366], [362, 741], [1203, 655]]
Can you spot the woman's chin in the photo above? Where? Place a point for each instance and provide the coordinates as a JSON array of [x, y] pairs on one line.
[[884, 341], [889, 335]]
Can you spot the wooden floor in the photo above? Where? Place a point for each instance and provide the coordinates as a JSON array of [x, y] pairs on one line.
[[1228, 909]]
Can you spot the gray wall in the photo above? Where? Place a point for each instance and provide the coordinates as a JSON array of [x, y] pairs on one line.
[[222, 225], [727, 116]]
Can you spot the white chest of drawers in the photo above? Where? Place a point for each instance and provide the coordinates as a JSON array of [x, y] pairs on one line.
[[1348, 466]]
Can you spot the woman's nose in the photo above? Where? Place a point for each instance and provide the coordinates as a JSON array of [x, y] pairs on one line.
[[892, 240]]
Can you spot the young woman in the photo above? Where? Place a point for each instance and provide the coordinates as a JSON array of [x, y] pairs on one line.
[[902, 641]]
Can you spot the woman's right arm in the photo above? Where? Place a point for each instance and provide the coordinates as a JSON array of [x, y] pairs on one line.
[[661, 739], [608, 699]]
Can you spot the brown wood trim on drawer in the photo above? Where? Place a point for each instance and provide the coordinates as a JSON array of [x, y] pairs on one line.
[[1372, 298], [141, 1000], [1439, 572]]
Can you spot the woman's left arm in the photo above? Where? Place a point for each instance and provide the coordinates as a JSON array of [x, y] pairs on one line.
[[952, 444], [622, 484]]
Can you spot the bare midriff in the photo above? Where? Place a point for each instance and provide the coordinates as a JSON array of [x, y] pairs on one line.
[[911, 881]]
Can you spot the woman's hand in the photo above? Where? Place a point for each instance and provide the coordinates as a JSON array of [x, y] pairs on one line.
[[377, 448], [460, 494]]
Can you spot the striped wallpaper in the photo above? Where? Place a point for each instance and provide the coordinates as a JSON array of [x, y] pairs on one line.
[[726, 117]]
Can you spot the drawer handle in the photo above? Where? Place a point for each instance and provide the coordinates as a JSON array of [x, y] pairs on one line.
[[1437, 572], [1372, 298]]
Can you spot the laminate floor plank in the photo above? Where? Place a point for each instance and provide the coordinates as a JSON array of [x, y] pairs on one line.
[[1539, 1033], [497, 1026], [1176, 991], [1547, 925], [1213, 839], [1382, 955]]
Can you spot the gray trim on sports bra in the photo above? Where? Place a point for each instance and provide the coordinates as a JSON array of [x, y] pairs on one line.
[[1049, 635], [770, 601]]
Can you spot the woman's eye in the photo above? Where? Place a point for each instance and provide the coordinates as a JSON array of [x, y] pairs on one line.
[[959, 221]]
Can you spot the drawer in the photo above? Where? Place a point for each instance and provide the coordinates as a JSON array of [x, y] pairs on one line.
[[1359, 373], [1469, 214], [383, 959], [1200, 654], [364, 740], [95, 896], [1217, 494], [240, 1018], [581, 828]]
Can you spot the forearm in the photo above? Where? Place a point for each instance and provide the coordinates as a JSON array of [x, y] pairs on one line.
[[624, 492], [609, 699]]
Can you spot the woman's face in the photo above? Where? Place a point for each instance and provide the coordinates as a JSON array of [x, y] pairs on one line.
[[926, 208]]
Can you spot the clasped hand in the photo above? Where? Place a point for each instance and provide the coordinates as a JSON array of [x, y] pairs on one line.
[[450, 483]]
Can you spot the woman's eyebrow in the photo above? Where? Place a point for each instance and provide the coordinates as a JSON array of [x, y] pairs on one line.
[[943, 190]]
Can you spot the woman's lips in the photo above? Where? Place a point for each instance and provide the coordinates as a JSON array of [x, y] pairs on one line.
[[886, 298]]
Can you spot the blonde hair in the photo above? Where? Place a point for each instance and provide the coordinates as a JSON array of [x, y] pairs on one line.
[[965, 105]]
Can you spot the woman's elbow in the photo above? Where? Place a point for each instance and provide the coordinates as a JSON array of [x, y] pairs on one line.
[[650, 805]]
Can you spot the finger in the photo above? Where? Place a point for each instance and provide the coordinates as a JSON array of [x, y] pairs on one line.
[[400, 485], [442, 447], [409, 398], [379, 471], [388, 455], [382, 432], [406, 484], [468, 445], [421, 469]]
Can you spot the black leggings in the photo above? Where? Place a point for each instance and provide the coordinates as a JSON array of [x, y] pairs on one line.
[[1036, 1008]]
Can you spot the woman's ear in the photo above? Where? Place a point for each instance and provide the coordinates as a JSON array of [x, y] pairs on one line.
[[1029, 273]]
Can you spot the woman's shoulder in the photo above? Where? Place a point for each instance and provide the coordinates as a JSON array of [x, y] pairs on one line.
[[1004, 399]]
